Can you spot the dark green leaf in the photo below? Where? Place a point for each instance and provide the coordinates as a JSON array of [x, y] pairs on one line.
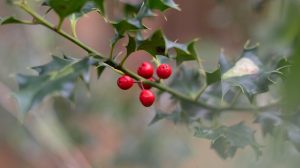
[[57, 76], [65, 8], [56, 64], [223, 147], [128, 25], [10, 20], [131, 10], [131, 46], [176, 116], [213, 77], [100, 70], [187, 80], [158, 45], [184, 52], [88, 7], [247, 73], [98, 62], [155, 44], [250, 85], [268, 121], [162, 5], [144, 11], [226, 140]]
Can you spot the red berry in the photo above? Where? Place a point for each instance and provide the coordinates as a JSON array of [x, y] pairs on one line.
[[164, 71], [147, 98], [125, 82], [146, 86], [146, 70]]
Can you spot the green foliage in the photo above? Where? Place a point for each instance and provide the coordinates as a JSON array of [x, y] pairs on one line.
[[10, 20], [226, 140], [65, 8], [184, 52], [197, 96], [289, 126], [131, 46], [126, 25], [158, 45], [247, 74], [154, 45], [162, 5], [188, 81], [57, 76]]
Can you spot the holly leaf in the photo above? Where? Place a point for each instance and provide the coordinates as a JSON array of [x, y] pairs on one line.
[[162, 5], [11, 20], [65, 8], [56, 64], [158, 45], [57, 76], [131, 46], [248, 74], [268, 121], [184, 52], [226, 140], [144, 11], [177, 116], [188, 81], [155, 44], [213, 77], [131, 10], [127, 25], [98, 62]]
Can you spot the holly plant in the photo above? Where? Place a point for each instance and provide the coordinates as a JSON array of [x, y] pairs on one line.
[[198, 98]]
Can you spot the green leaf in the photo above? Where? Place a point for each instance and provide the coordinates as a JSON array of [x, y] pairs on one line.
[[65, 8], [162, 5], [158, 45], [213, 77], [127, 25], [10, 20], [176, 116], [187, 80], [100, 70], [250, 85], [226, 140], [144, 11], [98, 62], [155, 44], [57, 76], [248, 74], [56, 64], [184, 52], [131, 46], [87, 7], [131, 10], [216, 75], [268, 121]]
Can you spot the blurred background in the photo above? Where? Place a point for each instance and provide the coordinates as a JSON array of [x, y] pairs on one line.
[[107, 127]]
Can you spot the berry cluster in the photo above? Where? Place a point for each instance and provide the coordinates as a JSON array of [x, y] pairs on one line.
[[146, 71]]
